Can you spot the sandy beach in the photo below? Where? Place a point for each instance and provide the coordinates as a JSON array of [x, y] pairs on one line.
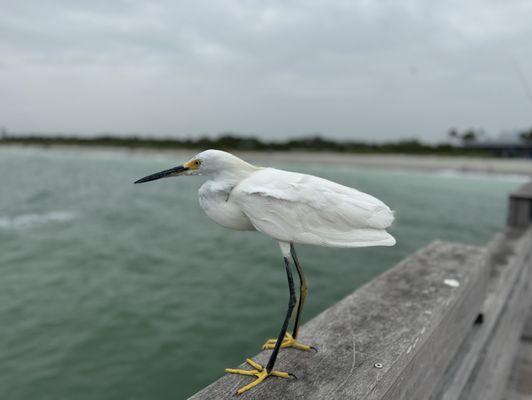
[[402, 161]]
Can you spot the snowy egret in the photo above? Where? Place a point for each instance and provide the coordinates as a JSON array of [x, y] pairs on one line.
[[292, 208]]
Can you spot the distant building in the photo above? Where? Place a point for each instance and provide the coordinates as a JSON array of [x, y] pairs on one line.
[[503, 149]]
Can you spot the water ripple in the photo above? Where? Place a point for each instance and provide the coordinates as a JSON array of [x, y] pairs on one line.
[[28, 220]]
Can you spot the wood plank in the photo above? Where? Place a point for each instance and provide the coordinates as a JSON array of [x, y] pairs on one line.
[[399, 320], [527, 330], [507, 255], [520, 384], [520, 206], [525, 191], [519, 212], [495, 361]]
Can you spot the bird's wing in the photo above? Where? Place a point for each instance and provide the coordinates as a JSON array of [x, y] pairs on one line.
[[300, 208]]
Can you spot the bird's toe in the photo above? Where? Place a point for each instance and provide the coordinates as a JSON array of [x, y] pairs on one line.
[[259, 372], [288, 341]]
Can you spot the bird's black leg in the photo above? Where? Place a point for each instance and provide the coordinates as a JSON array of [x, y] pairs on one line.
[[290, 340], [259, 372], [303, 289], [291, 304]]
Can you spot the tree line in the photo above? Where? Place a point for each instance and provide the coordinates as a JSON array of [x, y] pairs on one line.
[[235, 142], [465, 142]]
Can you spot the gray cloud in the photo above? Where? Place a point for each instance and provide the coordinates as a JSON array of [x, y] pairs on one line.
[[348, 69]]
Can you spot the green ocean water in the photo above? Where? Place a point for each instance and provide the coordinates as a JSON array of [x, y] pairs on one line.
[[110, 290]]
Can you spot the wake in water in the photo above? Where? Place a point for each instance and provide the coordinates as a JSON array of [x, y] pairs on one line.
[[28, 220]]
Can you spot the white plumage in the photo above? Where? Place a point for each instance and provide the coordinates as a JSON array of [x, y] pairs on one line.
[[298, 208], [291, 207]]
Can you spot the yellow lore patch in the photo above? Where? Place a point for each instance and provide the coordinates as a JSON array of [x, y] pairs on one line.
[[192, 164]]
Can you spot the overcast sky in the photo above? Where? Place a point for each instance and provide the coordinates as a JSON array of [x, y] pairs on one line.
[[368, 69]]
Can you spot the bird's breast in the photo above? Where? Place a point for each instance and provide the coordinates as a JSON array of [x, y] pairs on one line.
[[218, 205]]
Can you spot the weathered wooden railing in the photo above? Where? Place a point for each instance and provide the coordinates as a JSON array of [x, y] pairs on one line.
[[443, 324]]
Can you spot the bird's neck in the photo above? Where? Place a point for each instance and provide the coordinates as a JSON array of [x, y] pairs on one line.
[[232, 176]]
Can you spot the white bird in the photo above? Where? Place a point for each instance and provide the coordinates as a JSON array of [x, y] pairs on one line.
[[291, 208]]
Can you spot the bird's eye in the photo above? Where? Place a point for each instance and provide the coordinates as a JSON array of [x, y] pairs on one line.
[[197, 163]]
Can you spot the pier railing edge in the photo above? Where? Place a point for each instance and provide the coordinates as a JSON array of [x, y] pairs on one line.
[[442, 324]]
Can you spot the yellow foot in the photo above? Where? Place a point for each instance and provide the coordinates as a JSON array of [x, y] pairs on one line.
[[288, 341], [259, 371]]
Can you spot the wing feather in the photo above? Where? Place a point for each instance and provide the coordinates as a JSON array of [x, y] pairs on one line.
[[302, 208]]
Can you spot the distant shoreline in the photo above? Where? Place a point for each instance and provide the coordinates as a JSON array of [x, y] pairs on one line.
[[485, 165], [405, 162]]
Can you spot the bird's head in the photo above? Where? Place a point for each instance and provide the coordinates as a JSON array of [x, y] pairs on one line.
[[208, 162]]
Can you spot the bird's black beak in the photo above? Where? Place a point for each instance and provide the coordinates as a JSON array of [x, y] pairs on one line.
[[164, 174]]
